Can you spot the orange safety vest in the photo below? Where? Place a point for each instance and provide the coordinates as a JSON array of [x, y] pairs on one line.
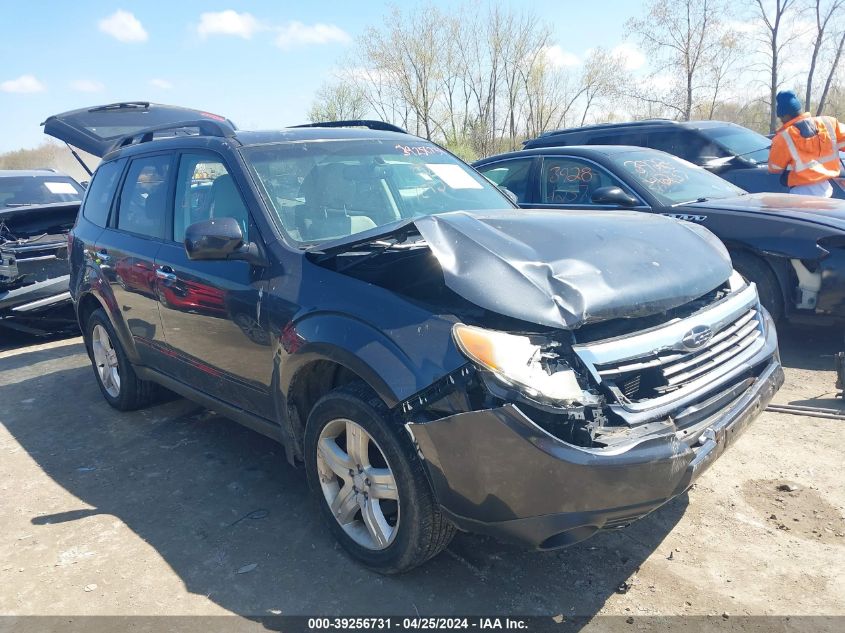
[[808, 159]]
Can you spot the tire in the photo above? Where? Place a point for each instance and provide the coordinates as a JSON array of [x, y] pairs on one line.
[[410, 529], [755, 269], [115, 375]]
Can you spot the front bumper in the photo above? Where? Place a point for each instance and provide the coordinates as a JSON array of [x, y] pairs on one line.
[[28, 301], [497, 472]]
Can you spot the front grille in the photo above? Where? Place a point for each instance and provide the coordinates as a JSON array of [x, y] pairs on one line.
[[664, 371]]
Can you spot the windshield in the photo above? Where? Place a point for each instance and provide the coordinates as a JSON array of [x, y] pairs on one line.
[[19, 191], [326, 190], [740, 141], [673, 180]]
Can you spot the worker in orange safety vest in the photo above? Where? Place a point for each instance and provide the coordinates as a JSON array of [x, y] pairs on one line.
[[806, 148]]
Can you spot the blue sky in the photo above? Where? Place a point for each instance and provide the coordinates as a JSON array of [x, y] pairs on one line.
[[260, 70]]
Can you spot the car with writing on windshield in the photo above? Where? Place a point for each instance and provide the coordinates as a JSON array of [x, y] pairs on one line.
[[731, 151], [37, 209], [792, 247], [435, 357]]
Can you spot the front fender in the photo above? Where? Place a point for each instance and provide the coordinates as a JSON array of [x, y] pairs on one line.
[[396, 363]]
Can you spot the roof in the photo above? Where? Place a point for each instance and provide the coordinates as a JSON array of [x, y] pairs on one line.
[[583, 150], [319, 134], [632, 124], [46, 172]]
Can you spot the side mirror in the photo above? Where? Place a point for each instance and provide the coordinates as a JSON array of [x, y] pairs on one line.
[[613, 195], [219, 238]]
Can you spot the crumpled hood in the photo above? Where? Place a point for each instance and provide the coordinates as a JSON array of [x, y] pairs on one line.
[[826, 211], [564, 269]]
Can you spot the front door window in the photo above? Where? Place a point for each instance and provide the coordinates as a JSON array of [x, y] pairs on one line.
[[570, 180]]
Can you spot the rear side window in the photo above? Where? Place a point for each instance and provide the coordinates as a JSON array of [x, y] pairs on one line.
[[512, 175], [143, 200], [101, 191], [618, 138]]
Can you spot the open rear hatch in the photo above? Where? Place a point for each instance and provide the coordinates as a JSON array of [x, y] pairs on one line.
[[98, 129]]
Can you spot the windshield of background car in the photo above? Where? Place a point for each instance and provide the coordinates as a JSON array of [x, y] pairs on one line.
[[740, 141], [673, 180], [19, 191], [326, 190]]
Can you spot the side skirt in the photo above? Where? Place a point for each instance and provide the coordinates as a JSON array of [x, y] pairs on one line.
[[254, 422]]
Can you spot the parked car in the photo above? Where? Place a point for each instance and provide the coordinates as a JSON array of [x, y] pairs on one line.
[[792, 247], [37, 209], [437, 358], [735, 153]]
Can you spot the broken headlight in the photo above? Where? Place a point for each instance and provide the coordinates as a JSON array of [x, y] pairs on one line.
[[517, 361]]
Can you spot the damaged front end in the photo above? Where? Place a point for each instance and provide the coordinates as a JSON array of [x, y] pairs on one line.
[[546, 438], [34, 276], [608, 362]]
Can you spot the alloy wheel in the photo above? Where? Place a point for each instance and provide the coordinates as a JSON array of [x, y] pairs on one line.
[[105, 360], [358, 484]]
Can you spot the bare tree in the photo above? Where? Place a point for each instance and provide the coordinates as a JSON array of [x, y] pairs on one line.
[[823, 18], [776, 42], [834, 67], [597, 78], [721, 71], [402, 59], [685, 37], [478, 80], [338, 101]]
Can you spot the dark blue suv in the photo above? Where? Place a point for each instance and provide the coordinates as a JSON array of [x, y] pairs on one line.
[[437, 358]]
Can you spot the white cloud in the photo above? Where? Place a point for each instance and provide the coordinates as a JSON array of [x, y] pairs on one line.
[[631, 56], [23, 84], [161, 84], [124, 27], [561, 58], [87, 85], [228, 22], [298, 34]]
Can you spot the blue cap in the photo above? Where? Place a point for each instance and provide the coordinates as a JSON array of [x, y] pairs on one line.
[[787, 104]]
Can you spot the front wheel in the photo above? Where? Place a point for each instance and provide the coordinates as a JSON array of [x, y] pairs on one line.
[[370, 483], [768, 289]]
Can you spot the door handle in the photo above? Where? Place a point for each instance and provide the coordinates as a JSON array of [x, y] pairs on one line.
[[166, 273]]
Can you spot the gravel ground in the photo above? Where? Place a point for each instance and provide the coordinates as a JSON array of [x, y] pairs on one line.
[[174, 510]]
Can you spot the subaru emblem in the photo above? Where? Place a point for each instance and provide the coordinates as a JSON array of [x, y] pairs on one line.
[[697, 336]]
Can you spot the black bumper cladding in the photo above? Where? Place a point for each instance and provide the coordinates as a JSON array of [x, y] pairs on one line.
[[498, 473]]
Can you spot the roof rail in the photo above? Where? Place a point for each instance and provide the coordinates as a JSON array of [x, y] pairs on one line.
[[368, 123], [122, 105], [610, 124], [206, 127]]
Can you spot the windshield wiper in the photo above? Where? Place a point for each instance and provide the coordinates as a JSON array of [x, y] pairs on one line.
[[328, 249], [381, 247], [725, 159], [680, 204]]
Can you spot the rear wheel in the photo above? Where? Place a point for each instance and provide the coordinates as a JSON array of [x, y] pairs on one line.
[[370, 484], [116, 378], [756, 270]]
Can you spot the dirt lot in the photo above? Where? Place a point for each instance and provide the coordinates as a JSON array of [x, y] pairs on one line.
[[173, 510]]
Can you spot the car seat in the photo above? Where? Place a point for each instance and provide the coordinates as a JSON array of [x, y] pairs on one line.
[[324, 215], [226, 202]]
